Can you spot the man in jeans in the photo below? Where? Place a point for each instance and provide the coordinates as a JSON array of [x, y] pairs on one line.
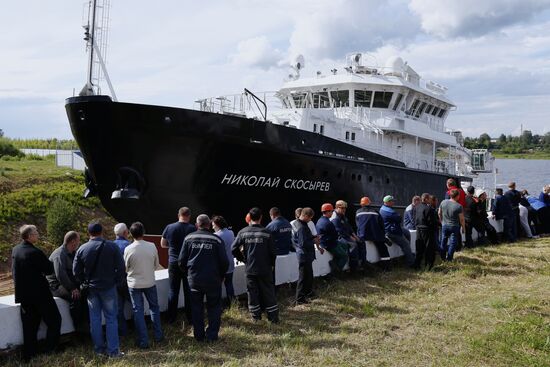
[[452, 218], [141, 259], [305, 252], [98, 264], [172, 239], [121, 233], [204, 260], [392, 227]]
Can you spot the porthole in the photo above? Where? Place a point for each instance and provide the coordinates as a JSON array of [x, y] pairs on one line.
[[358, 177], [303, 141], [387, 180], [339, 175], [370, 178], [167, 120], [325, 173], [353, 176]]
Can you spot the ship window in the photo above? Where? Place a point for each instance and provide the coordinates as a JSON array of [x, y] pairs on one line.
[[340, 98], [429, 109], [442, 112], [435, 111], [325, 173], [363, 98], [397, 101], [370, 178], [353, 176], [321, 129], [347, 135], [387, 180], [320, 100], [413, 107], [353, 136], [300, 100], [339, 175], [420, 109], [314, 128], [358, 177], [382, 99]]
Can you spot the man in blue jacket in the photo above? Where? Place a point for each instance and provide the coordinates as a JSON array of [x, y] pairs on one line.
[[281, 230], [329, 239], [204, 261], [410, 215], [514, 197], [305, 251], [392, 227], [370, 227], [99, 264], [502, 209], [356, 248]]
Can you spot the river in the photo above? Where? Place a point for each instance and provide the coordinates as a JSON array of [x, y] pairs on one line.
[[529, 174]]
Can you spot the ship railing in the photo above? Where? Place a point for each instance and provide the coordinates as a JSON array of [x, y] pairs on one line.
[[239, 104]]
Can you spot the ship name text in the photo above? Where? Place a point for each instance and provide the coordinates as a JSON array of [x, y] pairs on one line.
[[274, 182]]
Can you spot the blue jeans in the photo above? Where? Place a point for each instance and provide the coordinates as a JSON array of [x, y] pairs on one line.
[[213, 309], [405, 246], [123, 296], [449, 241], [136, 295], [510, 230], [104, 301], [177, 278]]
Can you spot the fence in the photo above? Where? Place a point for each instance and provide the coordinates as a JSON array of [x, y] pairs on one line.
[[63, 158]]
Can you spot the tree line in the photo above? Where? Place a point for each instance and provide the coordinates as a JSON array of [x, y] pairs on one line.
[[65, 144], [526, 142]]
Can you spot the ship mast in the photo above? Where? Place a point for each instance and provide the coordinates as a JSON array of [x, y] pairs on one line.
[[95, 34]]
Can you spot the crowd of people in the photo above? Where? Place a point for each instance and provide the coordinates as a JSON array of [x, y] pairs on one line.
[[100, 276]]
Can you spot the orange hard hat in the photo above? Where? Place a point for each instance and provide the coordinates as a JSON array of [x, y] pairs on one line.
[[365, 201], [327, 207], [247, 219]]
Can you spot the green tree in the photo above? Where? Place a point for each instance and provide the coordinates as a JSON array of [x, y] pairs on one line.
[[61, 217], [526, 139], [502, 139], [485, 141]]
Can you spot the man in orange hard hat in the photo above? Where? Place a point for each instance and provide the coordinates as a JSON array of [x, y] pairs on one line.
[[370, 227], [329, 239]]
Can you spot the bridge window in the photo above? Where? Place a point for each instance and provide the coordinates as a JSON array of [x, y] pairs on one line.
[[314, 128], [353, 136], [429, 109], [435, 111], [347, 135], [413, 107], [321, 100], [340, 98], [321, 129], [442, 112], [363, 98], [382, 99], [397, 101], [420, 109]]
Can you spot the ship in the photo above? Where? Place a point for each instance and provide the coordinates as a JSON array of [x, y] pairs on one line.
[[361, 130]]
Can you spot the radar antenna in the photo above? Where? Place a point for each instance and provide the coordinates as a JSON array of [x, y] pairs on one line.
[[96, 30]]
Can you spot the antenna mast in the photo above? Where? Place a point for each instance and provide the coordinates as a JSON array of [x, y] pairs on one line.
[[96, 28]]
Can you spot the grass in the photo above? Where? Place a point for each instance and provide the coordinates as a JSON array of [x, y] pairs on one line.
[[491, 307], [27, 188], [529, 155]]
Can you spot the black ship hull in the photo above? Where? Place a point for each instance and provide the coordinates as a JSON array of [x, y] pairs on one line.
[[222, 164]]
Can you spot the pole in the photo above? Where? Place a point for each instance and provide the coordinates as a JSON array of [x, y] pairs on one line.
[[92, 44]]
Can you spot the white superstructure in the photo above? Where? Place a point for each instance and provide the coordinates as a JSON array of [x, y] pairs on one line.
[[389, 110]]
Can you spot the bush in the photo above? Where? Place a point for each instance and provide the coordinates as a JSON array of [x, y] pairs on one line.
[[33, 157], [7, 149], [61, 217]]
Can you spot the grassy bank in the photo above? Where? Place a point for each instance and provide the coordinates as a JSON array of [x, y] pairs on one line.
[[489, 308], [532, 155], [27, 189]]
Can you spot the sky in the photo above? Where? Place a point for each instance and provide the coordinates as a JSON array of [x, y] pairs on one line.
[[492, 55]]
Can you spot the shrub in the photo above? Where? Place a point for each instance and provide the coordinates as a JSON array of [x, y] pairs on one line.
[[33, 157], [61, 217], [7, 149]]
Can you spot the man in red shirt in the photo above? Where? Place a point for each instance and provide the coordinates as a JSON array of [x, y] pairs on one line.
[[451, 185]]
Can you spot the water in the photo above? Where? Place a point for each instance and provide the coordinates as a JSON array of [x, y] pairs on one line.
[[529, 174]]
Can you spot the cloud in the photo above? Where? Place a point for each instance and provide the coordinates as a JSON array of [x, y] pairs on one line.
[[473, 18], [256, 52]]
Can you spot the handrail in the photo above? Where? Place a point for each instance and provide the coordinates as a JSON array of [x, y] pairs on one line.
[[256, 99]]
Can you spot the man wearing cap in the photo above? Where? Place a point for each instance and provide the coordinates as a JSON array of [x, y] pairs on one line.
[[329, 239], [100, 266], [121, 233], [392, 227], [254, 246], [172, 239], [204, 261], [426, 224], [370, 227], [357, 252]]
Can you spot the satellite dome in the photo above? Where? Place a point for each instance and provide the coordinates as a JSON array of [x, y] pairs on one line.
[[394, 66]]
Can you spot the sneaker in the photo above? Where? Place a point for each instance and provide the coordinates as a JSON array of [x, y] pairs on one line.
[[117, 355]]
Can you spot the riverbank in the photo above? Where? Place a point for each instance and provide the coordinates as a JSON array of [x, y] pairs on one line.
[[534, 155], [488, 308]]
